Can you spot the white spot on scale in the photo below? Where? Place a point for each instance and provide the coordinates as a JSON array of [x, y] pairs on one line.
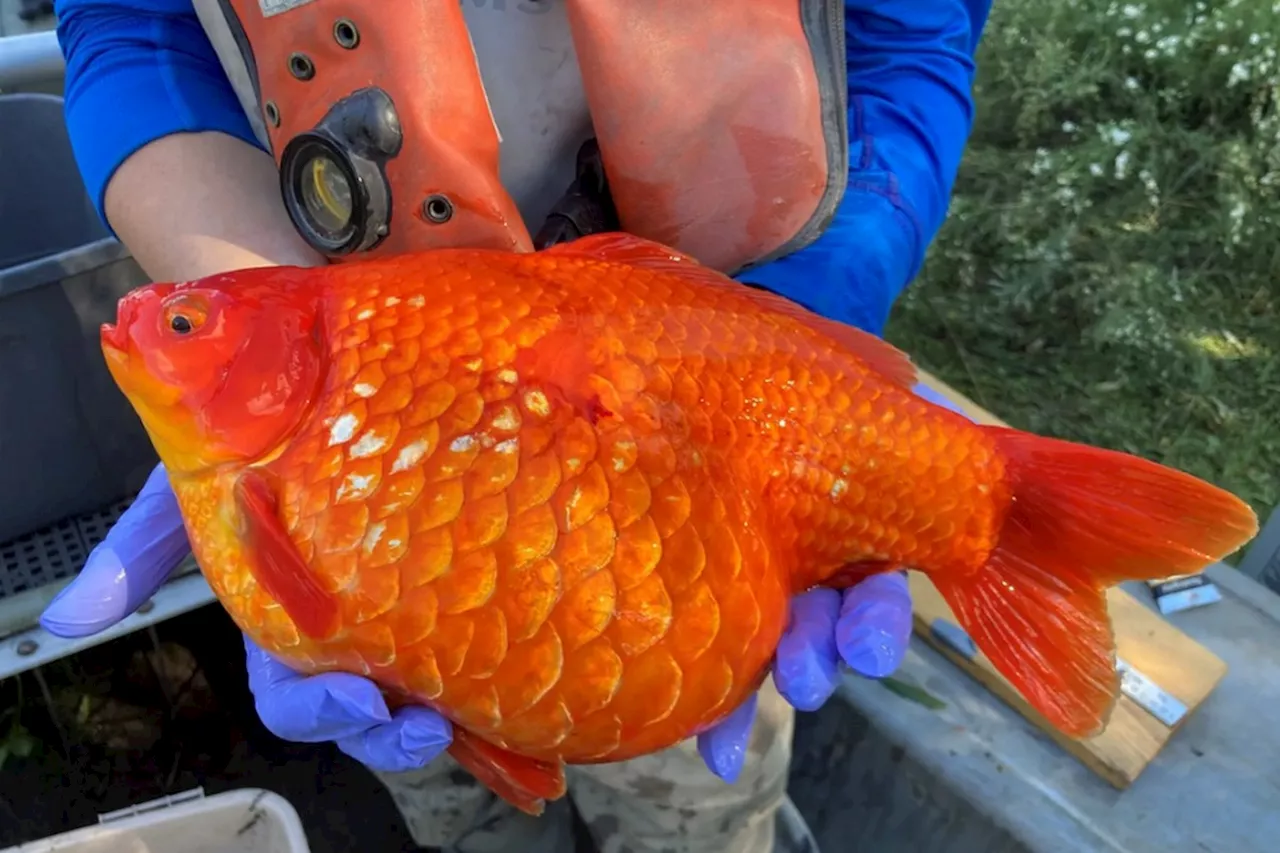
[[506, 421], [462, 444], [536, 402], [417, 301], [364, 389], [355, 486], [619, 464], [372, 536], [409, 455], [508, 446], [473, 364], [571, 504], [838, 488], [486, 440], [343, 428], [365, 314], [392, 301], [394, 543], [367, 445], [508, 376]]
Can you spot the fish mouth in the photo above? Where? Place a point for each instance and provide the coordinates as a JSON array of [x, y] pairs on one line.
[[115, 338]]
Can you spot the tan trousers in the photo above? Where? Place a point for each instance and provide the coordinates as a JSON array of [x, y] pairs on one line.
[[668, 802]]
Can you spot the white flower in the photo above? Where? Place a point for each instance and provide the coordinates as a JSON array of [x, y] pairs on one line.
[[1122, 165]]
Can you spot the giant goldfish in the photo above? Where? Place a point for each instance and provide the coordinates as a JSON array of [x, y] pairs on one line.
[[564, 497]]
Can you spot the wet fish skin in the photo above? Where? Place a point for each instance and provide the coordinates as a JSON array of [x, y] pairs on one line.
[[564, 497]]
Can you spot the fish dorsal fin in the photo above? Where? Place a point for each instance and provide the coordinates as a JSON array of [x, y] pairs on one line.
[[617, 247]]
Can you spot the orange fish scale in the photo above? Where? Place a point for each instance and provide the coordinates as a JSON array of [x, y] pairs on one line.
[[589, 567]]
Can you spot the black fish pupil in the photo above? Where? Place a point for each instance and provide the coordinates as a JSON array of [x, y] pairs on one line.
[[180, 324]]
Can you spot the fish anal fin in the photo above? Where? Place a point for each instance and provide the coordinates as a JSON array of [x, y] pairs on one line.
[[885, 359], [276, 564], [524, 782], [1050, 637]]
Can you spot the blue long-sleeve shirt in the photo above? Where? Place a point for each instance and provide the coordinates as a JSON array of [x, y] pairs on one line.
[[138, 70]]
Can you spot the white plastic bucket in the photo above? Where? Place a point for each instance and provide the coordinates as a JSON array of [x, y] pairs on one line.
[[249, 820]]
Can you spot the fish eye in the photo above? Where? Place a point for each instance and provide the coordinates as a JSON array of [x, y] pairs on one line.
[[185, 313]]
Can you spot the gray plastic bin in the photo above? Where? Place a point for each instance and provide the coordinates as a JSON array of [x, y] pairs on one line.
[[70, 444]]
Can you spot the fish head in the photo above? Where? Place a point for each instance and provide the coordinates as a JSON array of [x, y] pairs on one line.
[[220, 370]]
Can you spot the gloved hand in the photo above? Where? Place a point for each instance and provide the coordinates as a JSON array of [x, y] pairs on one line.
[[867, 627], [910, 72], [135, 558]]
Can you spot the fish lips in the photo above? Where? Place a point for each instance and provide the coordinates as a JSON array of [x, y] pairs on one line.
[[116, 338]]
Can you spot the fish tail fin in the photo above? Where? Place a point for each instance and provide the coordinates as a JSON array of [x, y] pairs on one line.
[[1082, 519]]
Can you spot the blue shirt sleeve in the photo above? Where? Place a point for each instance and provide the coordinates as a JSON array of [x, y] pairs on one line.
[[910, 76], [138, 70]]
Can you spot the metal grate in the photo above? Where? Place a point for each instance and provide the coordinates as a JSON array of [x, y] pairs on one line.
[[54, 553]]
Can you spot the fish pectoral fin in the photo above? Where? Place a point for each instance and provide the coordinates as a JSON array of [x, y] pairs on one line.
[[525, 783], [617, 247], [275, 562]]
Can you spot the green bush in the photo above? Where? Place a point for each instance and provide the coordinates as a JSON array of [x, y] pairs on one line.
[[1110, 271]]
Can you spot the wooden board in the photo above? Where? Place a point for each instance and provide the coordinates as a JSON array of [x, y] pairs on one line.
[[1173, 661]]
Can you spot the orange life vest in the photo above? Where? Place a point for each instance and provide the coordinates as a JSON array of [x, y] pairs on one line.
[[720, 123]]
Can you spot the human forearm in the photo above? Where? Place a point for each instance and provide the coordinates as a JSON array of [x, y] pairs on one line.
[[910, 68], [165, 151], [196, 226]]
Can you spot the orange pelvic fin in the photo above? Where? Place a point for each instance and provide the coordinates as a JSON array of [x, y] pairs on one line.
[[884, 358], [1082, 519], [526, 783], [276, 563]]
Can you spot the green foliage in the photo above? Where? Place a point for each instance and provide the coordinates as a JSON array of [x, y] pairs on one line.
[[1110, 271], [15, 740]]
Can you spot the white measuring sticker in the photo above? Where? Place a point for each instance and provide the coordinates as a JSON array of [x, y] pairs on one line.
[[1147, 694], [1183, 592]]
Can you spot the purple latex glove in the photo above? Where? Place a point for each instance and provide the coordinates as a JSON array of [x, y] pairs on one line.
[[126, 568], [346, 709], [866, 626], [147, 544], [133, 561]]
